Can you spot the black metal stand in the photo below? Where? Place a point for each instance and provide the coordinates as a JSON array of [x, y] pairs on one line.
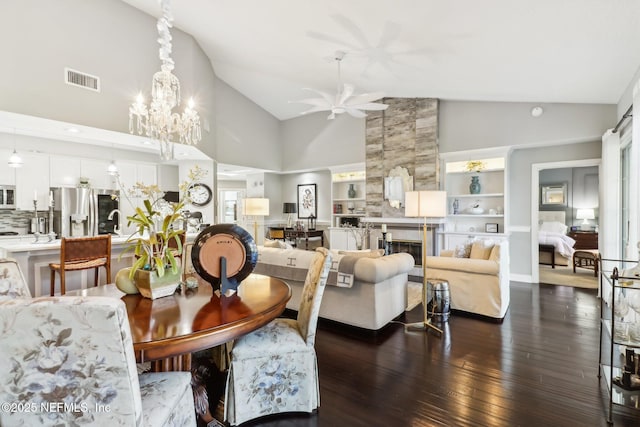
[[227, 286]]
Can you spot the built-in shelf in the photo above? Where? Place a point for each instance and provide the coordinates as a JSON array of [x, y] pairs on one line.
[[492, 198]]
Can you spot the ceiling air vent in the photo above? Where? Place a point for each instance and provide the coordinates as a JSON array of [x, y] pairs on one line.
[[84, 80]]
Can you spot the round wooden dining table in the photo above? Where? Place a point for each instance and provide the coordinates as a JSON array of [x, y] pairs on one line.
[[167, 330]]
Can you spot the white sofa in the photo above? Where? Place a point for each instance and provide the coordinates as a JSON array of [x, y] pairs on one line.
[[479, 284], [361, 291]]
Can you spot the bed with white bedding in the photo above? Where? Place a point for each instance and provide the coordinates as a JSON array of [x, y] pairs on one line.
[[553, 232]]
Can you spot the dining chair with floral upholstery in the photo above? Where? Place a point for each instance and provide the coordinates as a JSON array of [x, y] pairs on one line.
[[274, 369], [71, 362], [12, 283]]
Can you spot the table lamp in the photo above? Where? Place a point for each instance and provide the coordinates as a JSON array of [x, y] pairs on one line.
[[425, 204], [586, 215], [289, 208], [256, 207]]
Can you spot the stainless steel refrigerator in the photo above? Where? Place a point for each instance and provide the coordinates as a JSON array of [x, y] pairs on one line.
[[84, 211]]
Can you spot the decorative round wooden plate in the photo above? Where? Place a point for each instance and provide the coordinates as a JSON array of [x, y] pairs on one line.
[[230, 241]]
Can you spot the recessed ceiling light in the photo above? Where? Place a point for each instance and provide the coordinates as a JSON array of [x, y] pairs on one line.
[[146, 142], [537, 111], [72, 130]]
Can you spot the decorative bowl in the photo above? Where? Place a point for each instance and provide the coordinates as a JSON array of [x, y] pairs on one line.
[[477, 211]]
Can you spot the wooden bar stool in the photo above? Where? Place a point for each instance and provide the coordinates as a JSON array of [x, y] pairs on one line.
[[82, 253]]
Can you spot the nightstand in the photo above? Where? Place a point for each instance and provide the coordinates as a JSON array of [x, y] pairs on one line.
[[584, 239]]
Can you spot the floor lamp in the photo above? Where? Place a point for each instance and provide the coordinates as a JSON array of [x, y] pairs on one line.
[[256, 207], [425, 204]]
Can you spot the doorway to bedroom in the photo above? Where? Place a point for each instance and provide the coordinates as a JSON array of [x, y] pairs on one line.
[[565, 221]]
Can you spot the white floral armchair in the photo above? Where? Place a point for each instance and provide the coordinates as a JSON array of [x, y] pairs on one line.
[[274, 369], [71, 362], [12, 283]]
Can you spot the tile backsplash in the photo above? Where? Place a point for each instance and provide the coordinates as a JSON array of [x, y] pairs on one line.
[[13, 220]]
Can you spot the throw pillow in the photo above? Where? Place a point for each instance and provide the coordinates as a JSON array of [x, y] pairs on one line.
[[481, 249], [373, 253], [268, 243], [495, 253], [462, 251]]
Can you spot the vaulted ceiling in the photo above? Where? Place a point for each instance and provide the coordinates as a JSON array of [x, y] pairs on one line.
[[569, 51]]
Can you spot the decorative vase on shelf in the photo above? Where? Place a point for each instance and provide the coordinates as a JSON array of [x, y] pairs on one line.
[[474, 187], [351, 192]]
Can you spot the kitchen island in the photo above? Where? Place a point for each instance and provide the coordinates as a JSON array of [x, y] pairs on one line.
[[34, 258]]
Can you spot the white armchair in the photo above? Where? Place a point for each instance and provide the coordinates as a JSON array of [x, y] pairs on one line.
[[274, 369], [478, 283], [71, 361]]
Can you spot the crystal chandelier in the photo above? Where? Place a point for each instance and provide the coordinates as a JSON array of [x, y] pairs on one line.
[[157, 120]]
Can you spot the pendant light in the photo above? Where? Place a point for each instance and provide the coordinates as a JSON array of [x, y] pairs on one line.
[[15, 161], [112, 169]]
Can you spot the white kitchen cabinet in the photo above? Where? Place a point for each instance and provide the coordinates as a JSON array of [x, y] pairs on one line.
[[96, 171], [146, 174], [64, 171], [7, 174], [168, 177], [129, 175], [342, 239], [32, 180]]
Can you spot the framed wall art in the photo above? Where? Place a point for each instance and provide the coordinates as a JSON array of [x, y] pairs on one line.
[[307, 201]]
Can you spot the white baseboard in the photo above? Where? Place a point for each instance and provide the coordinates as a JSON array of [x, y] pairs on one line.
[[526, 278]]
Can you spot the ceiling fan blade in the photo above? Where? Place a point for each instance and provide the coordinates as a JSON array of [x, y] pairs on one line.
[[316, 109], [320, 102], [355, 112], [347, 91], [325, 95], [370, 106], [364, 98]]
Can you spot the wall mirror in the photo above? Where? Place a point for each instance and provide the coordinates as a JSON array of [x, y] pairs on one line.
[[553, 194], [396, 183]]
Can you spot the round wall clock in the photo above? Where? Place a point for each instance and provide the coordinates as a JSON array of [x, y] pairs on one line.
[[200, 194]]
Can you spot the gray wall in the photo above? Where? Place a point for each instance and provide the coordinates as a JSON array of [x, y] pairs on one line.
[[582, 190], [246, 135], [520, 198], [312, 141], [289, 191], [473, 125]]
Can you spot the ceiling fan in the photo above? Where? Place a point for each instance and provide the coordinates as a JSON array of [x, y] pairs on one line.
[[344, 101]]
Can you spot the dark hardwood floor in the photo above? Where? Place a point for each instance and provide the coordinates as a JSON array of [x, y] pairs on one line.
[[537, 368]]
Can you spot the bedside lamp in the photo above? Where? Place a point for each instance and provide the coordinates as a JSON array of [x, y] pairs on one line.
[[289, 208], [256, 207], [425, 204], [586, 215]]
